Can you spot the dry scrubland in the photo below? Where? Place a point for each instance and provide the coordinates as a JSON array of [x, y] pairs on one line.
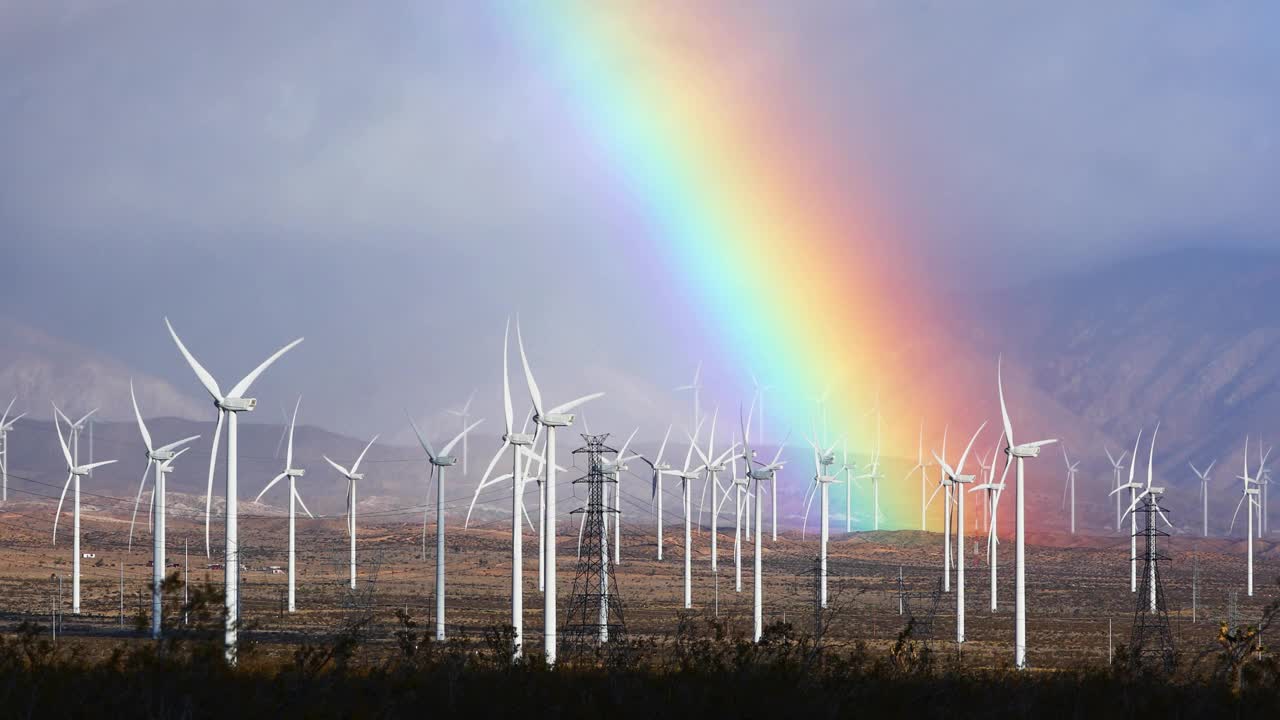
[[1075, 586]]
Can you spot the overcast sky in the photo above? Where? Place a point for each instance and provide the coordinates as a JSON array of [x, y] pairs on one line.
[[392, 179]]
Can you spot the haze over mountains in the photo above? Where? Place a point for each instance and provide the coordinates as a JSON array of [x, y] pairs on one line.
[[1188, 339]]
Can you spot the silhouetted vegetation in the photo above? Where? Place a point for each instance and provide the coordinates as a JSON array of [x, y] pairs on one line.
[[707, 667]]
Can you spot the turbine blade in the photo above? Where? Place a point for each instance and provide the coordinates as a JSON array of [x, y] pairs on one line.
[[422, 440], [566, 407], [293, 423], [242, 387], [1234, 514], [203, 375], [445, 450], [177, 444], [92, 466], [138, 501], [142, 426], [663, 447], [356, 467], [345, 472], [506, 381], [967, 448], [494, 462], [274, 480], [66, 453], [1004, 408], [534, 395], [298, 497], [57, 514], [208, 493]]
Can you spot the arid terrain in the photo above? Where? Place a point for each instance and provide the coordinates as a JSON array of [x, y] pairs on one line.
[[1077, 586]]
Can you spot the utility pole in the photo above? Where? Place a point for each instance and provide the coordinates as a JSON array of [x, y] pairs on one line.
[[122, 593]]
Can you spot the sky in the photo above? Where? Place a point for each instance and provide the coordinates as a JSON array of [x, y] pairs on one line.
[[393, 180]]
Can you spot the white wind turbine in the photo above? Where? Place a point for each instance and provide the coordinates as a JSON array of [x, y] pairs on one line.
[[1250, 494], [686, 500], [6, 424], [958, 479], [518, 442], [1117, 464], [822, 479], [162, 458], [985, 464], [439, 461], [293, 474], [464, 414], [352, 476], [557, 417], [760, 390], [740, 485], [1154, 493], [229, 406], [74, 472], [1133, 488], [696, 388], [659, 469], [945, 485], [1204, 493], [1018, 453], [713, 465], [993, 491], [764, 473], [75, 427], [1069, 489], [875, 476]]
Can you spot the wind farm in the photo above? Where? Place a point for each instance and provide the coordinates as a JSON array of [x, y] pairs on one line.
[[816, 294]]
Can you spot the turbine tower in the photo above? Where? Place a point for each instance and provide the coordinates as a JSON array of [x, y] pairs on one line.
[[713, 465], [875, 476], [993, 491], [1250, 494], [162, 458], [763, 473], [439, 461], [1117, 464], [958, 480], [228, 406], [847, 468], [352, 476], [760, 390], [293, 474], [822, 479], [6, 424], [659, 469], [1069, 489], [1133, 488], [945, 485], [686, 499], [1204, 494], [74, 472], [518, 442], [1018, 453], [556, 417]]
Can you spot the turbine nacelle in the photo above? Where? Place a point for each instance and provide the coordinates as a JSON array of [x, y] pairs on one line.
[[763, 474], [444, 460], [827, 479], [230, 404], [519, 439], [294, 473], [161, 455], [962, 479], [1028, 450], [554, 419]]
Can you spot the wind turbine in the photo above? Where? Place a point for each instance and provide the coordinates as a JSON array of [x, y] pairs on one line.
[[1133, 488], [985, 464], [713, 465], [1154, 493], [352, 476], [1204, 493], [773, 487], [921, 467], [229, 406], [659, 468], [822, 479], [958, 479], [1250, 494], [293, 474], [993, 490], [1117, 464], [162, 458], [1070, 487], [696, 388], [557, 417], [1018, 453], [687, 501], [764, 473], [518, 442], [439, 461], [75, 427], [945, 485], [464, 414], [847, 468], [875, 476], [5, 426], [74, 472]]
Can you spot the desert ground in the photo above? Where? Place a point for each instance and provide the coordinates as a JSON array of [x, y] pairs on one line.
[[1077, 586]]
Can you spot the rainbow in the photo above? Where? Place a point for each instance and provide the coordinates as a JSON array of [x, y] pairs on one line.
[[728, 169]]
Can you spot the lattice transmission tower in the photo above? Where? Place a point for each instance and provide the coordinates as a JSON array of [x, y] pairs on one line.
[[1152, 642], [594, 621]]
